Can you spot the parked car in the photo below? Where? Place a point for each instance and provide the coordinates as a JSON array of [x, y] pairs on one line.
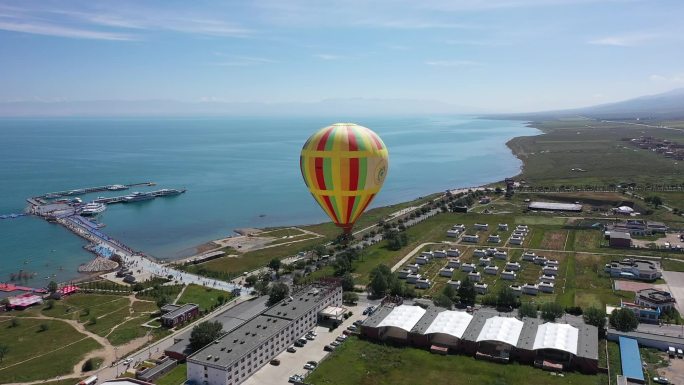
[[366, 311], [334, 343], [302, 341], [358, 322], [309, 367], [298, 344], [671, 351], [295, 378], [275, 362], [314, 363], [346, 332], [680, 353], [352, 327], [310, 337], [312, 333], [328, 348], [127, 361], [291, 349], [661, 380]]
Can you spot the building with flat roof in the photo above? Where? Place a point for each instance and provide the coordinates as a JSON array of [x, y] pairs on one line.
[[633, 269], [554, 206], [631, 360], [232, 358], [178, 314], [619, 239], [655, 299]]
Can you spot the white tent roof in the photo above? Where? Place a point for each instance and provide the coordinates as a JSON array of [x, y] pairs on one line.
[[501, 329], [625, 209], [404, 317], [450, 322], [556, 336]]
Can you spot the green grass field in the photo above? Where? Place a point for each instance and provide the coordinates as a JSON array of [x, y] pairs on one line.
[[360, 362], [176, 376], [203, 296], [55, 351], [595, 147]]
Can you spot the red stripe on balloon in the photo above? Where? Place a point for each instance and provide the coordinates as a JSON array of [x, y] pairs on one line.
[[353, 174], [370, 198], [350, 206], [326, 199], [351, 138], [320, 177], [324, 139]]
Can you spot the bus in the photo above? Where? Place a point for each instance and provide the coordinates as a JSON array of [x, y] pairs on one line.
[[92, 380]]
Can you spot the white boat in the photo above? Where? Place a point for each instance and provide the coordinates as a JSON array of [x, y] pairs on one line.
[[93, 209], [138, 196]]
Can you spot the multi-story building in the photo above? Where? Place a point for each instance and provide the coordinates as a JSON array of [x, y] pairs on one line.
[[232, 358], [633, 269], [655, 299]]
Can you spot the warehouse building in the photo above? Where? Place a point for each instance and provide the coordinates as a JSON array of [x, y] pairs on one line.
[[488, 334], [553, 206], [236, 355]]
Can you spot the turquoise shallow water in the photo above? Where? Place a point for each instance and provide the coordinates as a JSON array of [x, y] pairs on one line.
[[235, 169]]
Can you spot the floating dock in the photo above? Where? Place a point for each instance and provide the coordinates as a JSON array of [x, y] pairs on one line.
[[88, 190], [8, 287], [149, 195]]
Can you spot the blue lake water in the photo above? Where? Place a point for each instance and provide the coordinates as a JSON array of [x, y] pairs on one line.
[[235, 170]]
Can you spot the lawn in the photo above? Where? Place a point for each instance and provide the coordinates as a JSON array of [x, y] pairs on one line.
[[361, 362], [176, 376], [672, 265], [554, 240], [205, 297], [595, 147], [27, 343]]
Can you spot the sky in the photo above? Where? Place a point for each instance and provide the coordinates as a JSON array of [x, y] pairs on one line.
[[490, 55]]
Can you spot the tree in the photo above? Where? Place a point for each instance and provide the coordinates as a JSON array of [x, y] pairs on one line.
[[378, 285], [251, 280], [4, 349], [52, 286], [277, 293], [550, 311], [14, 322], [261, 287], [466, 292], [443, 301], [88, 365], [274, 264], [49, 304], [43, 327], [623, 320], [655, 200], [162, 300], [450, 292], [506, 298], [347, 282], [204, 333], [350, 297], [596, 317], [92, 321], [527, 309]]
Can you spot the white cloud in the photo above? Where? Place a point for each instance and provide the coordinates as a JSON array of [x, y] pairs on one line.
[[62, 31], [452, 63], [676, 78], [625, 40]]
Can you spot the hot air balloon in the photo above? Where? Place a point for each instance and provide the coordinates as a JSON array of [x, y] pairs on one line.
[[344, 167]]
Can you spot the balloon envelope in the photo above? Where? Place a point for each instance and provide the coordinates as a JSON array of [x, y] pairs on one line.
[[344, 167]]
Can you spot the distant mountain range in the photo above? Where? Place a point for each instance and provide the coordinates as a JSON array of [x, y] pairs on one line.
[[668, 105], [329, 107]]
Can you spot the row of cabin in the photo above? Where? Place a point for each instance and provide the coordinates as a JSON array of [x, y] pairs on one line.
[[456, 230], [518, 235], [491, 252]]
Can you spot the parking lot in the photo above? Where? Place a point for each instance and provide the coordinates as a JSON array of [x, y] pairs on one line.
[[293, 363]]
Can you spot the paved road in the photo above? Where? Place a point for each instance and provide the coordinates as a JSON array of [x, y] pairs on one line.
[[675, 281]]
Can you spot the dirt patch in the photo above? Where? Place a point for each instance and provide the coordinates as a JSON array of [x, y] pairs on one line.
[[631, 286], [554, 240]]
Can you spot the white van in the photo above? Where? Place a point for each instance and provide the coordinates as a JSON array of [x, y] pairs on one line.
[[671, 352]]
